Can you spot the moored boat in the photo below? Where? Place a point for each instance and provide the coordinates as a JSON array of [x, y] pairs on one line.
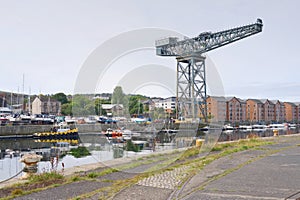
[[259, 127], [61, 131], [277, 126], [245, 128]]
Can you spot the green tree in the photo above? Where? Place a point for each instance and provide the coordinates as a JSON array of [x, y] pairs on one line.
[[82, 106], [98, 106], [135, 106], [118, 96], [61, 97], [66, 109]]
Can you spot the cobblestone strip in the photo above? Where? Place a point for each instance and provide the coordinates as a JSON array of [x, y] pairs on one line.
[[167, 180]]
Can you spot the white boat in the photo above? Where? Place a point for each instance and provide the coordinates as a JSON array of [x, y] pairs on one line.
[[277, 127], [259, 127], [245, 128], [292, 126], [169, 131], [227, 127], [127, 134]]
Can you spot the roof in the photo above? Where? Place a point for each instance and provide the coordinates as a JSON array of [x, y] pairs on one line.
[[230, 98], [218, 98], [276, 101], [267, 100], [292, 104], [46, 98], [255, 100], [111, 106]]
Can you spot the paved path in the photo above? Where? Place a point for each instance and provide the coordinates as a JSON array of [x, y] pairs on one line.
[[274, 177], [254, 174]]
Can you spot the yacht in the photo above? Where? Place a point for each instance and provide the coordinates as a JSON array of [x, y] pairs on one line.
[[245, 128], [228, 128], [259, 127], [277, 126]]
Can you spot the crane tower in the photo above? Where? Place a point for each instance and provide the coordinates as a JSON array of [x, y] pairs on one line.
[[191, 79]]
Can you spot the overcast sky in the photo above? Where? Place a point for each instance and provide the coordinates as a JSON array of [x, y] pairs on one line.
[[48, 42]]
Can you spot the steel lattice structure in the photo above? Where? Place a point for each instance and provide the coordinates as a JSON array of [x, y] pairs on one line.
[[191, 78]]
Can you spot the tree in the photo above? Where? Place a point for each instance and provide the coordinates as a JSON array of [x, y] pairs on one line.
[[66, 109], [135, 106], [61, 97], [98, 105], [82, 106], [118, 96]]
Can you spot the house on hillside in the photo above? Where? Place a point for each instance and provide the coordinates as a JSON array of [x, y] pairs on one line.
[[45, 105], [113, 109]]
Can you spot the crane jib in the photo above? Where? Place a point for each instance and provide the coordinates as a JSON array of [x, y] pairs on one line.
[[205, 41]]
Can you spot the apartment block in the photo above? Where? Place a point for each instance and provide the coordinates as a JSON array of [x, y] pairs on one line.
[[290, 112], [269, 111], [216, 108], [279, 115], [298, 111], [254, 111], [168, 104], [236, 110]]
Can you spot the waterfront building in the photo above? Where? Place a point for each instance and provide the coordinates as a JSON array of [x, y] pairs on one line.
[[298, 111], [290, 112], [269, 111], [45, 105], [279, 115], [254, 111], [168, 104], [216, 108], [236, 110]]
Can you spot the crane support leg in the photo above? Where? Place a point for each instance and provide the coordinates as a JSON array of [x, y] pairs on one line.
[[191, 87]]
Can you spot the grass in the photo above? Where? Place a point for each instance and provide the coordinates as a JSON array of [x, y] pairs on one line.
[[45, 177]]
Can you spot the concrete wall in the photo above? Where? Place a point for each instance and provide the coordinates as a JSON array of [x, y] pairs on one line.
[[85, 128]]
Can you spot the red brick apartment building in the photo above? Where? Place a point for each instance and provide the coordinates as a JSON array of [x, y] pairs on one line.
[[291, 112], [216, 108], [236, 110], [252, 111], [279, 111], [269, 111]]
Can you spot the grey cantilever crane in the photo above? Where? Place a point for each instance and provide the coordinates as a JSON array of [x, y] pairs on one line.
[[191, 79]]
